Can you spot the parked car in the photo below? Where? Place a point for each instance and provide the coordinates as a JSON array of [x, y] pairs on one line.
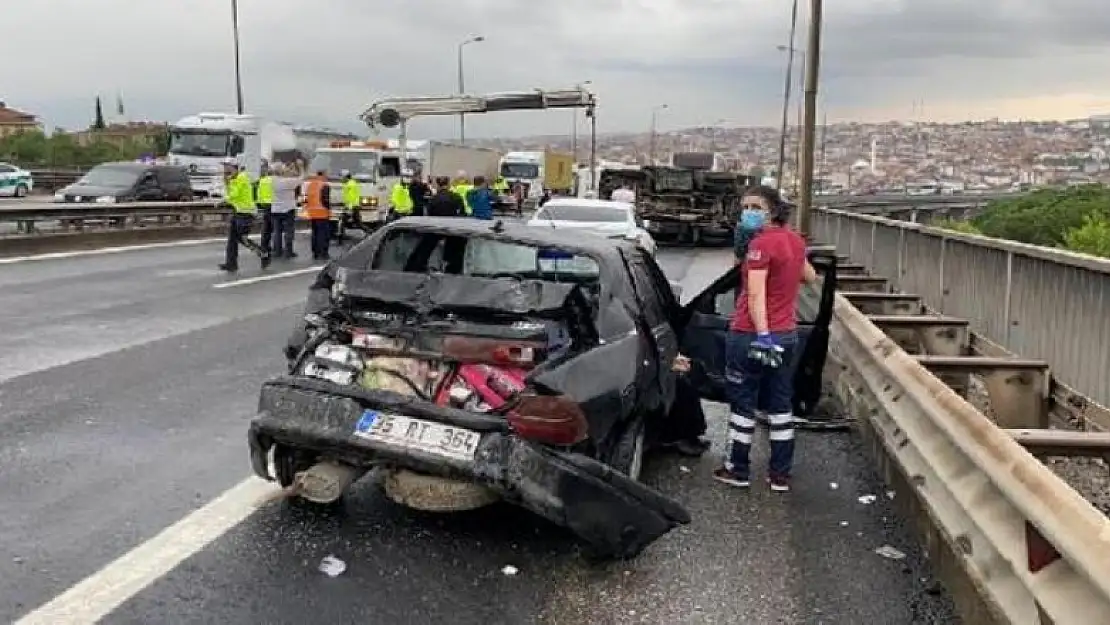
[[15, 181], [475, 361], [111, 183], [601, 217]]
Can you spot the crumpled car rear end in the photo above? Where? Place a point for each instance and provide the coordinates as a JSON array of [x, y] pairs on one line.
[[615, 515]]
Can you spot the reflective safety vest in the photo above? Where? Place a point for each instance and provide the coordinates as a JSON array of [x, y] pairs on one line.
[[501, 186], [400, 198], [240, 194], [462, 189], [352, 195], [266, 190], [314, 208]]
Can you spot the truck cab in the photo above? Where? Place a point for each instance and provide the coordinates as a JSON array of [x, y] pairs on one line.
[[364, 161], [201, 142], [524, 169]]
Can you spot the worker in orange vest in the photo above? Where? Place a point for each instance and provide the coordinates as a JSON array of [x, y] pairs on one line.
[[316, 208]]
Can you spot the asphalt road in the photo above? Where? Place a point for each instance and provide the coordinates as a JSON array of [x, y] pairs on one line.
[[126, 382]]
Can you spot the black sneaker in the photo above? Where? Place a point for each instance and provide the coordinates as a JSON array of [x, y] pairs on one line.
[[734, 480], [228, 268], [266, 259]]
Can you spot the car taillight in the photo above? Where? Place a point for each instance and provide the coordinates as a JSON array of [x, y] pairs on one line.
[[491, 351], [550, 419]]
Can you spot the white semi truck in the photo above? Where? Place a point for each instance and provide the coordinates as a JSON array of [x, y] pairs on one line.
[[201, 142]]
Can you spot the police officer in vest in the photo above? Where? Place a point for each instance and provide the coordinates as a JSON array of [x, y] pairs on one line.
[[316, 208], [240, 195], [399, 198], [352, 198], [264, 198]]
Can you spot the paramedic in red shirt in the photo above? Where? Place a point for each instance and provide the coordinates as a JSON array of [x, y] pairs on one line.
[[762, 338]]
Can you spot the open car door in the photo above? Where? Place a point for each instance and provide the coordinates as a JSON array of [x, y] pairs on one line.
[[706, 320]]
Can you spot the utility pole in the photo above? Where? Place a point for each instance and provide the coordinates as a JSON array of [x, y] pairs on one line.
[[654, 122], [238, 73], [786, 94], [813, 58]]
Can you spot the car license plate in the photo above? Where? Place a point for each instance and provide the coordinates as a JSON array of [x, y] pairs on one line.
[[427, 436]]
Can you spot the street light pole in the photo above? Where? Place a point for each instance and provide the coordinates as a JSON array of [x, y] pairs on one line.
[[805, 202], [654, 120], [801, 122], [462, 84], [238, 73], [786, 94], [574, 127]]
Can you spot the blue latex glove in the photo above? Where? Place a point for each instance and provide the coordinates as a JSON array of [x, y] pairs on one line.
[[766, 350]]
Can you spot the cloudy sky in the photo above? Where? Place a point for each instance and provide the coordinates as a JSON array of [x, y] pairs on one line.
[[324, 61]]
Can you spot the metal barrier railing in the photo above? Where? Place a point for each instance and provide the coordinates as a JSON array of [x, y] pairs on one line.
[[1038, 302]]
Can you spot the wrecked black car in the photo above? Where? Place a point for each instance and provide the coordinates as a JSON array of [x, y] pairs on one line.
[[473, 361]]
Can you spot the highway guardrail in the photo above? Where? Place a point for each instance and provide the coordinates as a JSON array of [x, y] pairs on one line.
[[1012, 542], [1040, 302], [54, 179]]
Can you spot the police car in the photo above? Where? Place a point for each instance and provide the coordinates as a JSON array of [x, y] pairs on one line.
[[14, 181]]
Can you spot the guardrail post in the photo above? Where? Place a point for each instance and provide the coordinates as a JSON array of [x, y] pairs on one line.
[[941, 287], [851, 240], [1007, 302], [836, 237], [913, 215], [901, 257], [871, 256]]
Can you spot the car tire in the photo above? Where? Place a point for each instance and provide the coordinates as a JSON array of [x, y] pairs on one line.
[[21, 190], [628, 452]]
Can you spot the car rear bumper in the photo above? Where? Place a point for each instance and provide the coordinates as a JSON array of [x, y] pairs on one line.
[[615, 515]]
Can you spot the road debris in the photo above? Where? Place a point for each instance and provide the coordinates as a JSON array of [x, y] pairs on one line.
[[509, 570], [332, 566], [890, 553], [867, 499]]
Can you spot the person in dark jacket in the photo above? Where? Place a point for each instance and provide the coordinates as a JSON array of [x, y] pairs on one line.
[[445, 202], [420, 193]]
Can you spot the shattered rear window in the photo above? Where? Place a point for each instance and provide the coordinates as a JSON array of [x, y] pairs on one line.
[[414, 251]]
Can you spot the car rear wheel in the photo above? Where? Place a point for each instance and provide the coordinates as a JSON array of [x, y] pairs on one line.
[[21, 190], [628, 453]]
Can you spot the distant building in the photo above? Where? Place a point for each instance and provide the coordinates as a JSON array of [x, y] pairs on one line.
[[13, 121], [123, 133]]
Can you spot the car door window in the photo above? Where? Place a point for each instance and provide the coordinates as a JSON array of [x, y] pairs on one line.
[[7, 169], [648, 294]]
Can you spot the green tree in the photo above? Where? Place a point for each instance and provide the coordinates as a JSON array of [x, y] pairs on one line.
[[1044, 217], [98, 120], [1093, 237]]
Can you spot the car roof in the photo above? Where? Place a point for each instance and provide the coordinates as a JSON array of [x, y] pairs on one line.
[[513, 231], [125, 165], [588, 203]]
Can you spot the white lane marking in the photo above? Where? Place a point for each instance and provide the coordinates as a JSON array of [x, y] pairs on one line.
[[267, 277], [109, 250], [115, 250], [96, 596]]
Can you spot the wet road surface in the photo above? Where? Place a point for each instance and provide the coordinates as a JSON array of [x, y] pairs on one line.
[[126, 382]]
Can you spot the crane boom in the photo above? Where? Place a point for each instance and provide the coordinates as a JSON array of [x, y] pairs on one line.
[[391, 112]]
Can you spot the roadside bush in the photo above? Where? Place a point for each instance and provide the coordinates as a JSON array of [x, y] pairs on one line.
[[1093, 237], [957, 225]]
